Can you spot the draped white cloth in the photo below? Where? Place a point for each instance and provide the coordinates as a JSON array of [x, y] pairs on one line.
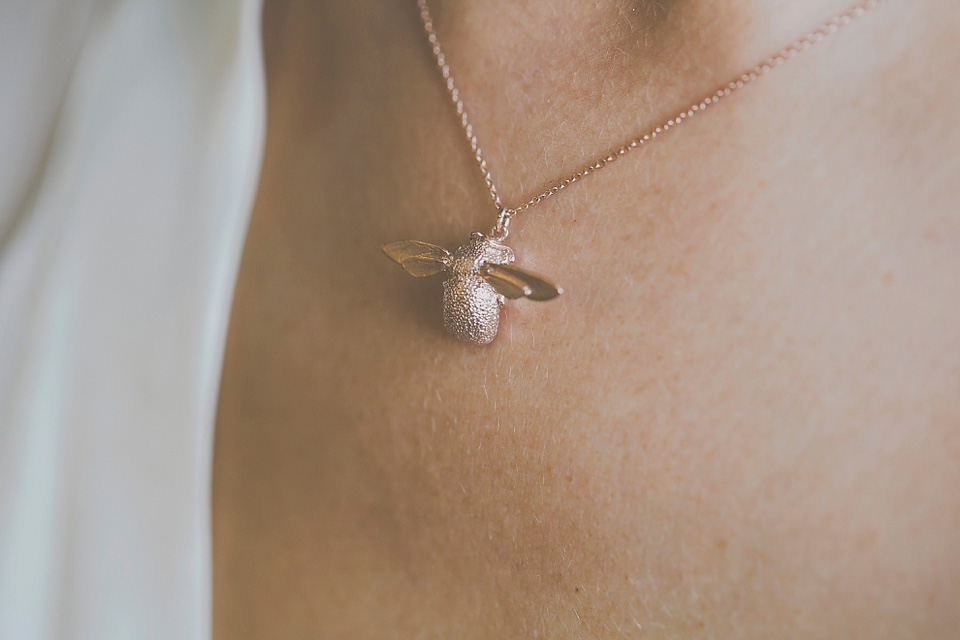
[[130, 142]]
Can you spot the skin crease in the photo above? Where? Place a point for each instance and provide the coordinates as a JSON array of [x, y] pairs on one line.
[[741, 419]]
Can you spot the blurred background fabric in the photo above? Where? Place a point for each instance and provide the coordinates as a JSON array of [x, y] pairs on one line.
[[130, 141]]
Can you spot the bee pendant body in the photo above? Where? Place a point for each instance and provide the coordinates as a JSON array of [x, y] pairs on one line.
[[479, 280], [471, 306]]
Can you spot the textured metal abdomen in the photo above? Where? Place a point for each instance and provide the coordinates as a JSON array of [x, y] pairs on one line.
[[471, 308]]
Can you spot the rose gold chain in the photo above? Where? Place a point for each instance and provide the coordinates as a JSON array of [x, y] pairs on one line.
[[803, 43]]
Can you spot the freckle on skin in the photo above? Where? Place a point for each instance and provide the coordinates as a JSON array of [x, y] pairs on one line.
[[867, 539]]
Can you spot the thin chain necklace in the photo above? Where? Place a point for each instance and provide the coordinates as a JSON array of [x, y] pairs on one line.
[[480, 276]]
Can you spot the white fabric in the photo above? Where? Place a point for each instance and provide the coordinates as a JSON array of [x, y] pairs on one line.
[[130, 141]]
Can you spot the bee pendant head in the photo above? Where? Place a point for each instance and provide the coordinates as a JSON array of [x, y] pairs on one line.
[[479, 280]]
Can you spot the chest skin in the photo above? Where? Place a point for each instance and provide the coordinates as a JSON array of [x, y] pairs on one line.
[[740, 420]]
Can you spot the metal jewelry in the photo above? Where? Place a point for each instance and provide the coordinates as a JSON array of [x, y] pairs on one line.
[[479, 275]]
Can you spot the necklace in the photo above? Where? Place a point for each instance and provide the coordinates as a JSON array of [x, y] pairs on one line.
[[479, 275]]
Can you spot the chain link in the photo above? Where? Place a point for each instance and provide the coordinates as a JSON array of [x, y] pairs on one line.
[[457, 102], [504, 214]]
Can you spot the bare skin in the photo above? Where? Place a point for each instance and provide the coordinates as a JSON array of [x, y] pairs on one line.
[[741, 419]]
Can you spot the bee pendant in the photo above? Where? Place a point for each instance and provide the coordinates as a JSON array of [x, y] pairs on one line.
[[479, 280]]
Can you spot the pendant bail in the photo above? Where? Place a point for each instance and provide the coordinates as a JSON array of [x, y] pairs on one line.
[[501, 230]]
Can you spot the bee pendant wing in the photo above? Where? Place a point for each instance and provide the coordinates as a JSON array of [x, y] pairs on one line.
[[417, 258], [512, 282]]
